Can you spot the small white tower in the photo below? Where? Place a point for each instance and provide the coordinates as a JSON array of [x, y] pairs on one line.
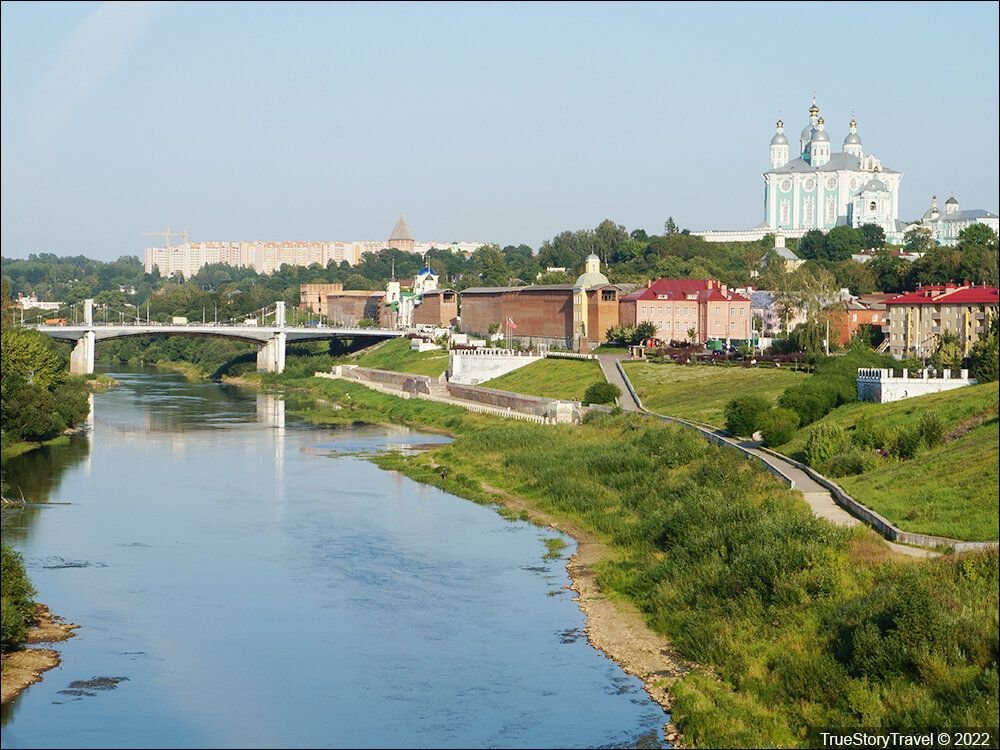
[[779, 146], [951, 206], [819, 145], [852, 143]]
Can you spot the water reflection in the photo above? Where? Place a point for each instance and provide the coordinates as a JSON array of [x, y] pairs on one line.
[[34, 477], [221, 558]]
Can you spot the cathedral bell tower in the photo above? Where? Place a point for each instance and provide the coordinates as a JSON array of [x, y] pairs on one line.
[[779, 146]]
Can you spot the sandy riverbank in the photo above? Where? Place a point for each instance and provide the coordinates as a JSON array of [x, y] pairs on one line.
[[24, 667]]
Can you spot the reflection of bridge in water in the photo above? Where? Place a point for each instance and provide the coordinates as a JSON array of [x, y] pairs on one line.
[[271, 339]]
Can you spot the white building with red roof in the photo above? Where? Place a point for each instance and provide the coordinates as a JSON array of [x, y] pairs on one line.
[[680, 307], [916, 320]]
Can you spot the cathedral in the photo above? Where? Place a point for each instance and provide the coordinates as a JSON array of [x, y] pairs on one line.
[[820, 188]]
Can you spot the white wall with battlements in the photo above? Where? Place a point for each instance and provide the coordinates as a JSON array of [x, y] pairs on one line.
[[883, 386]]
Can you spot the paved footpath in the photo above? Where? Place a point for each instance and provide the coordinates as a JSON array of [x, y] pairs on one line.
[[818, 497]]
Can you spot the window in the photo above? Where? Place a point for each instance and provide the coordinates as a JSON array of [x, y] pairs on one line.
[[784, 212], [873, 206], [742, 312], [808, 213]]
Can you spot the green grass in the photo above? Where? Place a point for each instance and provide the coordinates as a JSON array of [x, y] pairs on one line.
[[551, 378], [801, 624], [950, 490], [952, 406], [701, 392], [397, 356]]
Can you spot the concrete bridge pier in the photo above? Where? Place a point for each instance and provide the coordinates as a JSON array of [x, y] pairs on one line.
[[81, 360], [271, 357]]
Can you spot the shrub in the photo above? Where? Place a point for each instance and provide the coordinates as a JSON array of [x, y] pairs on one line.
[[852, 461], [985, 358], [743, 414], [16, 601], [778, 426], [601, 393], [870, 433], [905, 443], [824, 442], [931, 429]]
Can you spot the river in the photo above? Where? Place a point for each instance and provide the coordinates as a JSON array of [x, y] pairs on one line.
[[243, 579]]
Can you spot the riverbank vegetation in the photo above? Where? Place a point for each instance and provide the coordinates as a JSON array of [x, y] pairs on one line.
[[566, 379], [17, 604], [39, 399], [799, 624]]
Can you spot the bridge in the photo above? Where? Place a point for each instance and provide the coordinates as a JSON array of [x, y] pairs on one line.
[[271, 339]]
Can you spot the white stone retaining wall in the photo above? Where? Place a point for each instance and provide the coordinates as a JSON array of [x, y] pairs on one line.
[[473, 366], [883, 386]]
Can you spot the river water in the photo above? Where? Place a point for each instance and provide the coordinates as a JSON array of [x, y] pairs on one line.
[[245, 580]]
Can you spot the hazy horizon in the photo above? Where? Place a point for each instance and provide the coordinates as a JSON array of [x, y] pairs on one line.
[[504, 123]]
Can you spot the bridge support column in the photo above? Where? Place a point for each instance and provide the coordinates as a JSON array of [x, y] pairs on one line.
[[81, 360], [88, 313], [271, 357]]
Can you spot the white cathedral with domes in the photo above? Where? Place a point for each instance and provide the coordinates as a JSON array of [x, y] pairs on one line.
[[820, 188]]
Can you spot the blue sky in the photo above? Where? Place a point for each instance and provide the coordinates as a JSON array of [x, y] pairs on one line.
[[499, 122]]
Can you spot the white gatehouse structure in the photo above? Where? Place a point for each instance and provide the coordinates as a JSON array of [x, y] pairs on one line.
[[883, 386]]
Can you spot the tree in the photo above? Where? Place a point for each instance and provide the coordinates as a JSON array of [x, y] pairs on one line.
[[608, 236], [890, 271], [643, 331], [918, 240], [812, 246], [670, 226], [872, 236], [842, 242], [985, 356], [977, 234], [948, 352]]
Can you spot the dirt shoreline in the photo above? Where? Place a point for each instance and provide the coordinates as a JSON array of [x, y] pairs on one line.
[[24, 667], [615, 628]]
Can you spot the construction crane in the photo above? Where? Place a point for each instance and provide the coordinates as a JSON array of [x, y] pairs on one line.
[[168, 234]]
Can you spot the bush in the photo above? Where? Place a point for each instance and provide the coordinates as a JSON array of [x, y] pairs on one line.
[[778, 426], [905, 443], [810, 400], [850, 462], [744, 414], [825, 441], [16, 602], [985, 358], [870, 433], [601, 393], [931, 429]]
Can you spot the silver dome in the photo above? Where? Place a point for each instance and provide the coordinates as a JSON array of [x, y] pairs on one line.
[[806, 133], [820, 135], [779, 140], [876, 186], [852, 139], [951, 201]]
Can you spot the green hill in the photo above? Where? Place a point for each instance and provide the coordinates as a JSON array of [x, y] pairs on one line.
[[551, 378], [397, 356]]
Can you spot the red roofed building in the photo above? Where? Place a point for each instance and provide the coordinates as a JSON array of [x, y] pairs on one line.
[[678, 306], [917, 319]]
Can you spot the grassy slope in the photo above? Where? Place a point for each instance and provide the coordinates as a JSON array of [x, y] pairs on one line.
[[804, 624], [551, 378], [948, 491], [701, 392], [396, 355], [952, 406]]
